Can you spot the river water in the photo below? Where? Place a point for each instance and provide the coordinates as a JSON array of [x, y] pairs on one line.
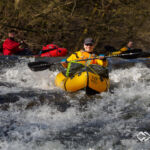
[[35, 115]]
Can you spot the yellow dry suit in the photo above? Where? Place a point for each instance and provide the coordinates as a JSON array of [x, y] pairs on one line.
[[79, 55]]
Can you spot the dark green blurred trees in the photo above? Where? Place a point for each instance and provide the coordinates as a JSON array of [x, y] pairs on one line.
[[68, 22]]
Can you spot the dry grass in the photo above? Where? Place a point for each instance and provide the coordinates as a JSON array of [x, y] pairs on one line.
[[65, 21]]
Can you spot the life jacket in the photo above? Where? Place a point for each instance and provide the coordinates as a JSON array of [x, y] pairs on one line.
[[85, 55], [11, 47]]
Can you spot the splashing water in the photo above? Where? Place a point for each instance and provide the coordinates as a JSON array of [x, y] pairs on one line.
[[36, 115]]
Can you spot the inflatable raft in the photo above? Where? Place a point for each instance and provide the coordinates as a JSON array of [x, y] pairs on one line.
[[52, 50], [59, 52], [90, 81]]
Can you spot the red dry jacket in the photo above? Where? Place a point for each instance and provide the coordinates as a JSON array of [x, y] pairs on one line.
[[10, 47]]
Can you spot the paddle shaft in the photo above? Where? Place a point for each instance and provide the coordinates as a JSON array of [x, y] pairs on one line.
[[41, 65], [121, 55]]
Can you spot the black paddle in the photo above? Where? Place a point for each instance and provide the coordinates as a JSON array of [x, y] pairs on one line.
[[138, 52], [42, 65], [39, 66]]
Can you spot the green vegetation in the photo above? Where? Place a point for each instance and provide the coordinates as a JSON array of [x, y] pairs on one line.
[[68, 22]]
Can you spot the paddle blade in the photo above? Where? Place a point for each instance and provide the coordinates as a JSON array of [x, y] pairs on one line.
[[39, 66]]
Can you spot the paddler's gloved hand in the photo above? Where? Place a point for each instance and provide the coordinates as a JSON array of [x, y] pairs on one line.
[[101, 56], [64, 63]]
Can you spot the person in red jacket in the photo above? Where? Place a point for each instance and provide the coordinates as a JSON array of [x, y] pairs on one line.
[[10, 46]]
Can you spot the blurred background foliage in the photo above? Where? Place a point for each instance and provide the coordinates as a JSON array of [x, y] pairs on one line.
[[68, 22]]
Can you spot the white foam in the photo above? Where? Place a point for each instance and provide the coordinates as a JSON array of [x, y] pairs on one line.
[[24, 77], [108, 110]]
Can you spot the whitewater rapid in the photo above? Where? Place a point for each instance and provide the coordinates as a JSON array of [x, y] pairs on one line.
[[35, 115]]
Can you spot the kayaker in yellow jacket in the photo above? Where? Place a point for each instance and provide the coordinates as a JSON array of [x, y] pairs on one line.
[[128, 47], [74, 66], [86, 53]]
